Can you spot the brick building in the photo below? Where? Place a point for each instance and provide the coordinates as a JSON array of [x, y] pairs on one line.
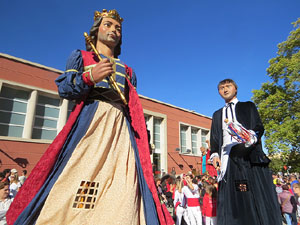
[[31, 115]]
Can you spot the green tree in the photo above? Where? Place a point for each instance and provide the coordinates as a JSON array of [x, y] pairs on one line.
[[278, 99], [276, 164], [293, 161], [278, 161]]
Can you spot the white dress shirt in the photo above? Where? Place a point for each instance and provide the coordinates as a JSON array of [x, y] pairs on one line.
[[4, 206], [228, 141]]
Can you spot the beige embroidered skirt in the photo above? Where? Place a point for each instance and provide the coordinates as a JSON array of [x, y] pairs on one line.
[[99, 184]]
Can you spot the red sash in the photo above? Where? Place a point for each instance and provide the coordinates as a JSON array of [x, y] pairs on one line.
[[176, 205], [193, 202]]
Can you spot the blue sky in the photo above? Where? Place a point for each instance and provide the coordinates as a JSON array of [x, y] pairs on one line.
[[179, 50]]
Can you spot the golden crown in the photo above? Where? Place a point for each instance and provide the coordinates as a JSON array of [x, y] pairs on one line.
[[110, 14]]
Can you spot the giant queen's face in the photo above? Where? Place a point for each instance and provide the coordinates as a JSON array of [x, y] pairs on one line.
[[109, 32]]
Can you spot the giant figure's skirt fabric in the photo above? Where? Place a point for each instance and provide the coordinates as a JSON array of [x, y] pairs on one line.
[[100, 178]]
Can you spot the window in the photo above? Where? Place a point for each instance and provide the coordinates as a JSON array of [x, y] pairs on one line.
[[31, 113], [194, 141], [156, 132], [204, 137], [46, 117], [147, 120], [156, 126], [183, 138], [156, 163], [191, 139], [13, 108]]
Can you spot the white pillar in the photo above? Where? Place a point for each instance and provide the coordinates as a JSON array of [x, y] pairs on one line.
[[29, 119], [164, 144], [63, 113]]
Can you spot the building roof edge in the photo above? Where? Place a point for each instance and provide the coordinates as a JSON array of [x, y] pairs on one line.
[[60, 71], [173, 106], [30, 63]]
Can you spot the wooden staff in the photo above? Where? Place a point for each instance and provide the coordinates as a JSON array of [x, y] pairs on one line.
[[111, 79]]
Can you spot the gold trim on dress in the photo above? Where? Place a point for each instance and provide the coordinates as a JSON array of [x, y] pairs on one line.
[[71, 70]]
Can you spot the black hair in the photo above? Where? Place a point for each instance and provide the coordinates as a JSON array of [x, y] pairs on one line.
[[227, 80], [6, 171], [195, 181], [3, 184], [285, 187]]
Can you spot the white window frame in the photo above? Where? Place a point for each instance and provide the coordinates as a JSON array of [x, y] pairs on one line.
[[163, 137], [56, 119], [31, 107], [189, 149], [12, 112]]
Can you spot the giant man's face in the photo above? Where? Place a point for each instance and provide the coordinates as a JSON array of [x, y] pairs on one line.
[[227, 91]]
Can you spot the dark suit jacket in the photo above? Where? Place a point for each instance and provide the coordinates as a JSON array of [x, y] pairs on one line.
[[247, 115]]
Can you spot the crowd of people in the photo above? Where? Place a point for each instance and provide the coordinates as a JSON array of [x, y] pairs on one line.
[[193, 199], [288, 192], [10, 183]]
